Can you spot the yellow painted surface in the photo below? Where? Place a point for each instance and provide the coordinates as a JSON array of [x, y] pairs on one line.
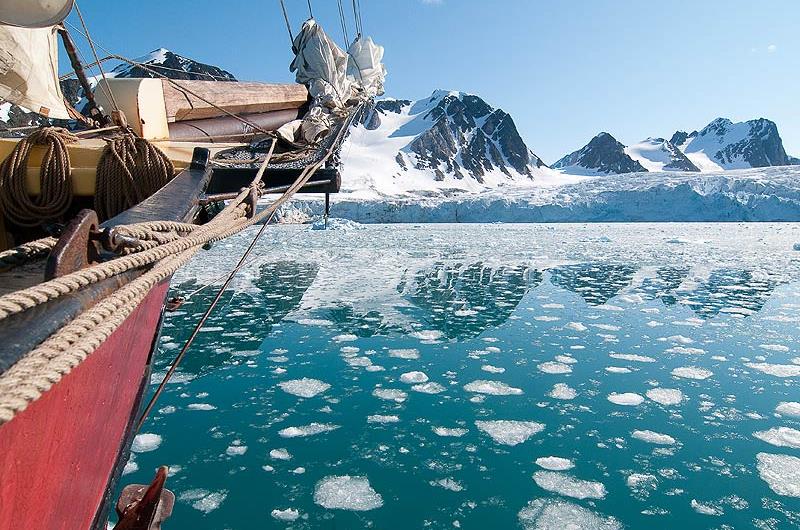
[[85, 154]]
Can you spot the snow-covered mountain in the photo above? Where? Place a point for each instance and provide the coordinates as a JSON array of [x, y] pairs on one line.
[[172, 65], [450, 140], [603, 155], [720, 145], [723, 144]]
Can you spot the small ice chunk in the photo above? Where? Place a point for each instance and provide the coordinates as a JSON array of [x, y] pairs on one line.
[[405, 353], [203, 500], [788, 408], [780, 437], [576, 326], [390, 394], [557, 514], [627, 398], [379, 418], [569, 486], [346, 493], [492, 388], [563, 391], [448, 484], [130, 467], [305, 387], [617, 370], [454, 432], [777, 370], [236, 450], [413, 377], [146, 442], [665, 396], [492, 369], [345, 337], [307, 430], [428, 388], [428, 334], [685, 350], [780, 472], [551, 367], [632, 357], [200, 406], [705, 509], [641, 484], [509, 432], [774, 347], [653, 437], [280, 454], [289, 514], [692, 372], [555, 463]]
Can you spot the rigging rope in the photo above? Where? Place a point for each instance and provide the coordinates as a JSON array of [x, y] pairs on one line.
[[130, 170], [288, 25], [109, 93], [21, 254], [55, 178], [344, 25], [357, 17], [310, 12]]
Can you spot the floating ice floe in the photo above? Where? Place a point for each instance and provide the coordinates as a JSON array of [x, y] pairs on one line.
[[777, 370], [492, 369], [379, 418], [576, 326], [626, 398], [314, 322], [428, 388], [692, 372], [685, 350], [774, 347], [280, 454], [307, 430], [449, 432], [555, 463], [347, 493], [617, 370], [569, 486], [146, 442], [641, 484], [492, 388], [705, 509], [390, 394], [653, 437], [405, 353], [428, 334], [203, 500], [289, 514], [305, 387], [566, 359], [130, 467], [345, 337], [509, 432], [665, 396], [448, 484], [780, 437], [551, 367], [200, 406], [413, 377], [780, 472], [169, 409], [563, 391], [632, 357], [788, 408], [236, 450], [555, 514]]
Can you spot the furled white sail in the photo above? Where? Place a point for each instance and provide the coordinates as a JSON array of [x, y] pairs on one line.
[[321, 65], [364, 66], [29, 70]]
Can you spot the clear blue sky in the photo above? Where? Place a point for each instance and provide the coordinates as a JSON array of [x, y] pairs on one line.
[[564, 70]]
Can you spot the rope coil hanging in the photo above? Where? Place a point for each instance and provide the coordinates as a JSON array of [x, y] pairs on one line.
[[55, 178], [130, 169]]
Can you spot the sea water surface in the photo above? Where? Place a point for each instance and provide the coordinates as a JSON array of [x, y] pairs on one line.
[[486, 376]]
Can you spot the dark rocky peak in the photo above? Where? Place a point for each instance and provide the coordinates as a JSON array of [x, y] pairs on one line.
[[174, 66], [603, 154]]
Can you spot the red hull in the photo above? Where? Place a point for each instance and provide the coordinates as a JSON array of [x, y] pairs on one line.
[[58, 457]]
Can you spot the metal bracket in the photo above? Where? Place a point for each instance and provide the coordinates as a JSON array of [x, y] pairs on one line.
[[75, 249], [143, 507]]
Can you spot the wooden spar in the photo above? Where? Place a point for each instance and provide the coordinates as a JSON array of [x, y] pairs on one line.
[[72, 53], [235, 97]]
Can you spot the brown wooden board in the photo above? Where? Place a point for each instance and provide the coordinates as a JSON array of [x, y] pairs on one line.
[[237, 98]]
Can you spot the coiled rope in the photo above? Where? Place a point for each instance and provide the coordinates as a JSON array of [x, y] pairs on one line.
[[55, 179], [130, 169], [26, 252]]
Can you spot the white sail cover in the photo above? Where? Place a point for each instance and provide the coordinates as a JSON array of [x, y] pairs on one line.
[[322, 66], [365, 67], [29, 70]]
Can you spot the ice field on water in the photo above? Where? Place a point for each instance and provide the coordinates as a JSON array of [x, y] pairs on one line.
[[487, 376]]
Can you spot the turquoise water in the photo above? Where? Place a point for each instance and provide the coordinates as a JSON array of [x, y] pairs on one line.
[[657, 362]]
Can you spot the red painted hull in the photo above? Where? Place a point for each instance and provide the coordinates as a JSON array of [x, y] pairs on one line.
[[59, 456]]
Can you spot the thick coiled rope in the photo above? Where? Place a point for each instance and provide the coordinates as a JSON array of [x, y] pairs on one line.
[[129, 171], [26, 252], [55, 179]]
